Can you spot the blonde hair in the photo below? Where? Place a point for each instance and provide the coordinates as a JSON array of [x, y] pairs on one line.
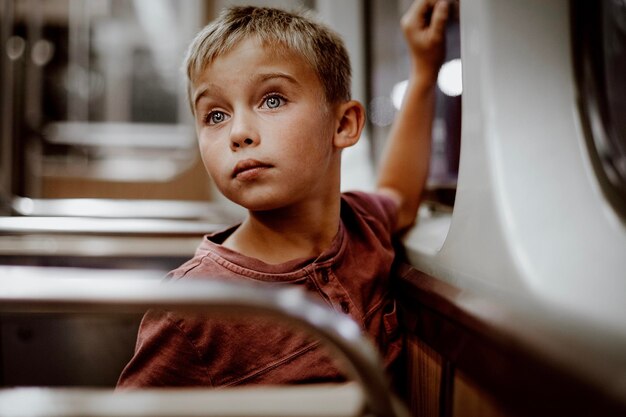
[[317, 44]]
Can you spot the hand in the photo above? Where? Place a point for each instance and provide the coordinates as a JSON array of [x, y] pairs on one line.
[[423, 26]]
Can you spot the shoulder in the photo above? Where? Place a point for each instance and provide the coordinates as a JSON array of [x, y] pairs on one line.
[[208, 249], [372, 206]]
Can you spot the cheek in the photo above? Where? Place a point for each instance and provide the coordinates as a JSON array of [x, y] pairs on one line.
[[204, 154], [210, 156], [311, 130]]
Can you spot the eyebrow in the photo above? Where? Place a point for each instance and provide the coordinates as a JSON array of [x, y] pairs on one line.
[[271, 75], [260, 78], [198, 95]]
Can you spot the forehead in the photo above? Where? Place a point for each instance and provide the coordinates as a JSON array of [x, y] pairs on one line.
[[251, 60]]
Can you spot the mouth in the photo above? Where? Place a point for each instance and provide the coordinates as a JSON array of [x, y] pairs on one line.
[[249, 168]]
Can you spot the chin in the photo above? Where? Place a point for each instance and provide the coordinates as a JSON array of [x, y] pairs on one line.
[[259, 204], [268, 198]]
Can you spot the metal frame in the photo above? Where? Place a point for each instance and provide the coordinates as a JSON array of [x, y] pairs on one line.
[[70, 290]]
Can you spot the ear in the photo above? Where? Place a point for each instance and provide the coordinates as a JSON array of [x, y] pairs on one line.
[[351, 119]]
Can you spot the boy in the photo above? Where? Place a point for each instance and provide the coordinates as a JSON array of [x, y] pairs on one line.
[[270, 92]]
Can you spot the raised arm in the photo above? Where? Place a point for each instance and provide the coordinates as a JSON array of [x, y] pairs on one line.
[[404, 167]]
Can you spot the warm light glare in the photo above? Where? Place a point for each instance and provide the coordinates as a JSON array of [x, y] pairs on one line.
[[397, 94], [450, 81]]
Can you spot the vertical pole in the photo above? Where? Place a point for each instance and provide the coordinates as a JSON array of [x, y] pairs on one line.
[[7, 11], [78, 62]]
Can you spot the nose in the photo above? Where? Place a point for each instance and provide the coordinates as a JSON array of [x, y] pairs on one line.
[[243, 132], [239, 143]]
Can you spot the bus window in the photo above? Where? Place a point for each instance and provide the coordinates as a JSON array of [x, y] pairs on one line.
[[599, 44]]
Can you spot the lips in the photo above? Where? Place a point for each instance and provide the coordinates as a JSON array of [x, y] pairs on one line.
[[248, 167]]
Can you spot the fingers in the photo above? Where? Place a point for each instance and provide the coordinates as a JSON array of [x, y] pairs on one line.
[[424, 27], [415, 16], [424, 10], [422, 14], [438, 20]]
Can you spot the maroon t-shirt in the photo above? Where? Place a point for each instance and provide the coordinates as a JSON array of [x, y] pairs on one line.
[[352, 277]]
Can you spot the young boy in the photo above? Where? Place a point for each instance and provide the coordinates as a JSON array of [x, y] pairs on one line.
[[270, 92]]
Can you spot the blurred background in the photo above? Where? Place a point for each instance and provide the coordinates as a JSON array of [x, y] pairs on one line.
[[93, 101], [519, 291]]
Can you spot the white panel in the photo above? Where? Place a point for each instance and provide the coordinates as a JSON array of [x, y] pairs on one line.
[[529, 218]]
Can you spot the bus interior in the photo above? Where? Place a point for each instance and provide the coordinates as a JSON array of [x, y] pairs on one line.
[[511, 285]]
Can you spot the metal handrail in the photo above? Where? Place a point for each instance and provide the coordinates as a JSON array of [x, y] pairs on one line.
[[126, 208], [102, 226], [28, 289], [319, 400]]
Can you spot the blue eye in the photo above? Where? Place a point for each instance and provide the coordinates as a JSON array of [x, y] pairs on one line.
[[273, 102], [215, 117]]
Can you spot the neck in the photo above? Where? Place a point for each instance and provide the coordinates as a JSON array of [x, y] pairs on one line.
[[284, 234]]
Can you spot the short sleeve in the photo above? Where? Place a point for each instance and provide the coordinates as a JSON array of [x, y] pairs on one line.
[[380, 207], [164, 356]]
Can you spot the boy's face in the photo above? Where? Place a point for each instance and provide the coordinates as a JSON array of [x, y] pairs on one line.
[[265, 129]]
